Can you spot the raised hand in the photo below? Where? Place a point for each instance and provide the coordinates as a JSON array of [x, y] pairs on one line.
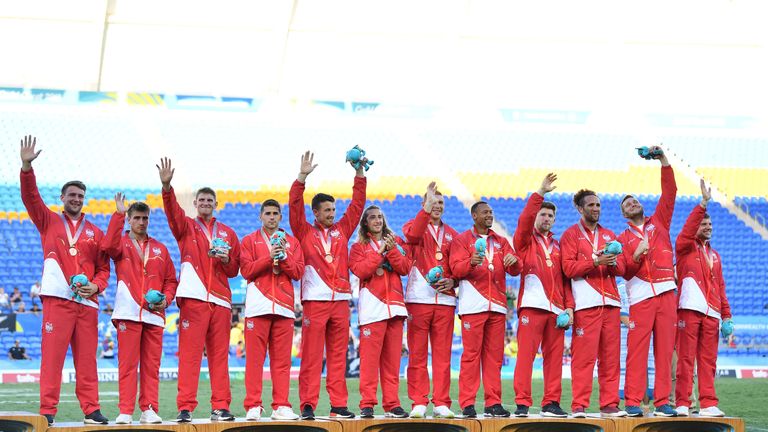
[[706, 193], [120, 202], [662, 157], [307, 165], [547, 184], [430, 198], [28, 153], [166, 172]]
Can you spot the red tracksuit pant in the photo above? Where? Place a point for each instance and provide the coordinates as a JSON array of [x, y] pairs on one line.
[[655, 315], [273, 333], [596, 337], [538, 328], [66, 323], [483, 338], [381, 346], [325, 329], [138, 343], [429, 325], [203, 325], [697, 340]]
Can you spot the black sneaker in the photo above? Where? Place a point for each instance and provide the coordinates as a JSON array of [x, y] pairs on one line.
[[50, 418], [366, 412], [552, 409], [307, 413], [95, 418], [184, 416], [222, 415], [496, 411], [469, 412], [396, 412], [341, 412], [521, 411]]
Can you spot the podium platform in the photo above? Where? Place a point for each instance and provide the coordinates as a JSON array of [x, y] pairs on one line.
[[268, 425], [112, 427], [679, 424], [21, 421], [429, 424], [537, 423]]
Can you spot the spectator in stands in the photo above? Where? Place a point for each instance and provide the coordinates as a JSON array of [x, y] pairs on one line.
[[270, 260], [650, 276], [376, 259], [107, 348], [542, 297], [15, 295], [108, 309], [142, 264], [71, 247], [5, 303], [482, 309], [21, 308], [18, 352], [431, 308], [210, 254], [597, 326], [35, 309], [325, 288], [702, 304], [34, 292], [240, 351]]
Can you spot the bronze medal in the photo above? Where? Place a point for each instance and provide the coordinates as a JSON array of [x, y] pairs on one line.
[[490, 267], [439, 256], [379, 271], [549, 262], [72, 250], [329, 258], [276, 270]]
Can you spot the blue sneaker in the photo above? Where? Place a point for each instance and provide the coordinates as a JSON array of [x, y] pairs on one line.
[[665, 410], [633, 411]]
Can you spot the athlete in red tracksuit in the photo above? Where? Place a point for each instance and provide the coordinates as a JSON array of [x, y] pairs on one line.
[[269, 270], [379, 263], [482, 309], [203, 297], [540, 300], [325, 290], [650, 280], [142, 263], [430, 309], [702, 304], [597, 328], [70, 247]]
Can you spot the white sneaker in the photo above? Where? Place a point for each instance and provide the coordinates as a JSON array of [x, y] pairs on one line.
[[443, 411], [124, 419], [284, 413], [712, 411], [682, 411], [254, 414], [418, 411], [150, 417]]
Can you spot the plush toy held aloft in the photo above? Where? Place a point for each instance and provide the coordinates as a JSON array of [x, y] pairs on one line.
[[356, 155]]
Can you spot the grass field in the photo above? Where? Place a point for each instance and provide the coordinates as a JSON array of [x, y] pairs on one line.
[[739, 398]]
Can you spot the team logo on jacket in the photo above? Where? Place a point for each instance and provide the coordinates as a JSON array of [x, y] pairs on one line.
[[306, 322], [524, 319], [579, 332], [184, 324], [631, 325], [466, 325], [222, 234], [681, 324], [122, 327], [48, 327], [89, 233], [650, 227], [366, 332], [606, 237], [249, 325], [156, 251], [449, 237], [335, 233]]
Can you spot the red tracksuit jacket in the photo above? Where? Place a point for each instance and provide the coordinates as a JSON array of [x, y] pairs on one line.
[[201, 277], [542, 286], [482, 289], [590, 286], [702, 287], [381, 291], [269, 293], [133, 281], [423, 247], [58, 264], [323, 280], [655, 273]]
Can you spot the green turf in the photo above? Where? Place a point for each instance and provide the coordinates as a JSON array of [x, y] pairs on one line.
[[740, 398]]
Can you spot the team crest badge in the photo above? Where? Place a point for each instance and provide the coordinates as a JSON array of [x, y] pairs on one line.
[[122, 327], [579, 332], [156, 251], [449, 237], [49, 327], [524, 319], [306, 322], [334, 233], [466, 325], [606, 237], [89, 233], [650, 227], [366, 332], [185, 324], [631, 325], [223, 234], [681, 324], [249, 325]]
